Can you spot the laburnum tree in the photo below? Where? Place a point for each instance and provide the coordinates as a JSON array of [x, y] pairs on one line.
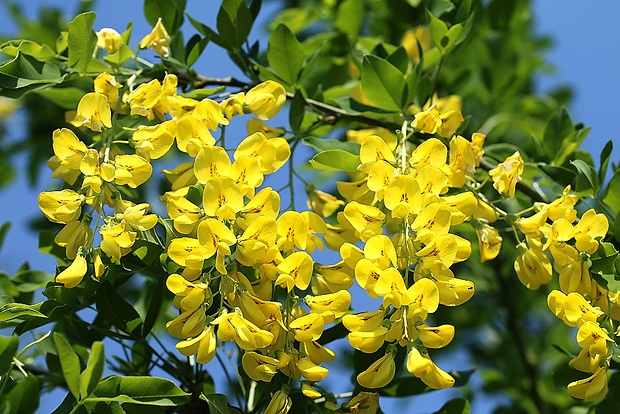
[[375, 192]]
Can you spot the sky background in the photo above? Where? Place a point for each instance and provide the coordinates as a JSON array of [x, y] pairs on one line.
[[585, 54]]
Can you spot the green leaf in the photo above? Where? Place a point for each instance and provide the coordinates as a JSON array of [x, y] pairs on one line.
[[82, 40], [350, 17], [4, 229], [587, 178], [12, 311], [121, 56], [20, 396], [296, 113], [139, 390], [194, 48], [335, 160], [170, 11], [455, 406], [154, 306], [400, 60], [66, 98], [603, 259], [200, 94], [604, 161], [443, 37], [206, 31], [117, 310], [69, 362], [25, 73], [558, 128], [285, 54], [383, 83], [42, 53], [94, 369], [321, 144], [234, 22], [612, 194], [218, 404], [561, 175], [8, 348]]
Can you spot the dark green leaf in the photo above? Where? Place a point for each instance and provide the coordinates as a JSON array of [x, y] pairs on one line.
[[234, 22], [170, 11], [383, 83], [25, 73], [12, 311], [69, 362], [443, 37], [587, 178], [20, 397], [558, 128], [92, 374], [206, 31], [195, 46], [296, 113], [154, 306], [335, 160], [4, 229], [66, 98], [117, 310], [604, 161], [321, 144], [8, 348], [455, 406], [82, 40], [603, 259], [139, 390], [285, 54], [218, 404], [560, 175], [400, 60]]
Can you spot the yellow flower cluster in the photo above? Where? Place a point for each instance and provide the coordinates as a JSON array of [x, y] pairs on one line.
[[556, 239]]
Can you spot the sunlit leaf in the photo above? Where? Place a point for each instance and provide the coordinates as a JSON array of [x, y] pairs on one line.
[[285, 54], [69, 362], [383, 83], [335, 160]]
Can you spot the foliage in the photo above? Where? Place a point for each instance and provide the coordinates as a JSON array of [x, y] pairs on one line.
[[434, 179]]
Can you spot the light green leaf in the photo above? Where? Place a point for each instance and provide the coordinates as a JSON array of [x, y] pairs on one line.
[[66, 98], [612, 194], [285, 54], [321, 144], [383, 83], [8, 348], [69, 362], [41, 53], [350, 17], [123, 54], [587, 178], [26, 73], [335, 160], [443, 37], [139, 390], [82, 40], [12, 311], [200, 94], [218, 404], [94, 369]]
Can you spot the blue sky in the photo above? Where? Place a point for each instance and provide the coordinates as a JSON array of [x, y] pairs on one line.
[[585, 55]]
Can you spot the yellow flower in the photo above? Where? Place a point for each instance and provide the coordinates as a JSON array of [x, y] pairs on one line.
[[391, 287], [222, 198], [590, 228], [490, 242], [203, 345], [368, 341], [265, 99], [94, 112], [234, 327], [415, 39], [271, 153], [158, 40], [309, 392], [137, 218], [430, 152], [507, 174], [592, 337], [374, 149], [592, 388], [256, 241], [433, 221], [428, 121], [422, 298], [330, 306], [61, 206], [331, 278], [435, 337], [317, 352], [453, 291], [533, 268], [440, 253], [107, 85], [109, 39], [402, 196], [144, 98], [367, 220], [211, 162], [280, 403], [259, 367], [311, 371], [322, 203], [185, 214], [233, 105], [266, 203], [218, 239], [74, 235], [132, 170], [247, 175], [450, 122], [256, 125], [363, 403], [116, 241], [188, 324], [210, 113], [424, 368], [154, 141], [295, 270], [292, 232], [379, 374], [73, 275], [308, 327], [462, 161]]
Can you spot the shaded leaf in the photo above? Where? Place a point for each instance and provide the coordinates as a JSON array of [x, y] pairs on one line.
[[587, 178], [94, 369], [4, 229], [195, 46], [8, 348], [20, 397], [66, 98], [612, 194], [170, 11], [296, 113], [12, 311], [234, 22], [117, 310], [455, 406], [604, 161]]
